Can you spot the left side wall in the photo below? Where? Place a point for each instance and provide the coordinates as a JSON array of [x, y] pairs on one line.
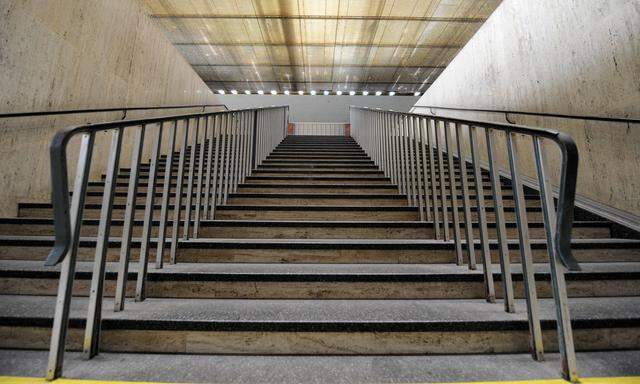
[[69, 54]]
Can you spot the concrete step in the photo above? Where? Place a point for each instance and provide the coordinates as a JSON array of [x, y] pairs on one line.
[[330, 369], [322, 326], [297, 229], [320, 281], [359, 251]]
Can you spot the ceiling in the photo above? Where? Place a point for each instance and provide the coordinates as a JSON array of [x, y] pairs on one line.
[[335, 45]]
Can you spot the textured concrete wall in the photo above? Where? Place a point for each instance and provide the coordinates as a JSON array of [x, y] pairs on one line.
[[330, 109], [69, 54], [571, 57]]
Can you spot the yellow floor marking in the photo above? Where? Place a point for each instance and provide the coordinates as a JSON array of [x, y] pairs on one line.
[[590, 380]]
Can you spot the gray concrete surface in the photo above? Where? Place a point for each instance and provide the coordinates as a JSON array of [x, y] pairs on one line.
[[356, 311], [68, 54], [570, 57], [317, 369]]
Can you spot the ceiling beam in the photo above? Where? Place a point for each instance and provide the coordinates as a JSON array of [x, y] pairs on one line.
[[318, 66], [322, 17], [323, 45]]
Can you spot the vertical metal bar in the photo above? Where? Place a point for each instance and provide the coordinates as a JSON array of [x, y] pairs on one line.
[[198, 210], [207, 183], [432, 171], [228, 155], [468, 224], [487, 269], [563, 321], [425, 176], [396, 153], [405, 160], [129, 219], [412, 162], [454, 194], [243, 149], [192, 170], [238, 153], [177, 208], [147, 224], [401, 160], [525, 254], [92, 330], [417, 175], [501, 230], [218, 135], [68, 266], [443, 184], [166, 195], [254, 140], [224, 155]]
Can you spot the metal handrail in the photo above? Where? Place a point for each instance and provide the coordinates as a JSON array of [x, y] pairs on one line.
[[242, 139], [410, 149], [541, 114], [102, 110]]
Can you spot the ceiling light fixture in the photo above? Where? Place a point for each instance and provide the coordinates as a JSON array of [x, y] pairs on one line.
[[247, 92], [339, 93], [300, 93], [220, 91], [365, 93], [274, 92], [234, 92], [352, 93], [286, 92], [313, 93], [260, 92], [416, 93], [326, 93], [392, 93], [378, 93]]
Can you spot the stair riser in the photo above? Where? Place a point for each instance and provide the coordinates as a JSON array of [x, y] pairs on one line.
[[293, 214], [303, 189], [366, 202], [349, 256], [320, 343], [275, 232], [320, 290], [346, 215], [354, 201]]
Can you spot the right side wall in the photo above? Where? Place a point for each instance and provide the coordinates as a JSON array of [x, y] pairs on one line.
[[571, 57]]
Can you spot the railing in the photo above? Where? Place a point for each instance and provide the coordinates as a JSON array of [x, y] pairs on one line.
[[318, 128], [124, 110], [217, 151], [506, 114], [416, 150]]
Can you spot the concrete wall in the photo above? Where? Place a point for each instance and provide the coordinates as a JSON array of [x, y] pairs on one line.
[[70, 54], [319, 108], [570, 57]]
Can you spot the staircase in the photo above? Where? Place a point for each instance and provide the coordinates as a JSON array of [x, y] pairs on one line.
[[317, 253]]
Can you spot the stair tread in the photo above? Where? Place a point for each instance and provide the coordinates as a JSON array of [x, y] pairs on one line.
[[241, 369], [364, 243], [323, 315], [297, 272]]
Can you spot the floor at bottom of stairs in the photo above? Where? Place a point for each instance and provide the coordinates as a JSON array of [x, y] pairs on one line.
[[317, 369]]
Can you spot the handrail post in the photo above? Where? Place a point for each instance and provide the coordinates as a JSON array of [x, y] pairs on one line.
[[94, 312], [68, 267], [525, 254], [129, 219], [563, 321]]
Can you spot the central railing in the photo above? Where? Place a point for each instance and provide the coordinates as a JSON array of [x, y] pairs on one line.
[[217, 151], [417, 150]]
